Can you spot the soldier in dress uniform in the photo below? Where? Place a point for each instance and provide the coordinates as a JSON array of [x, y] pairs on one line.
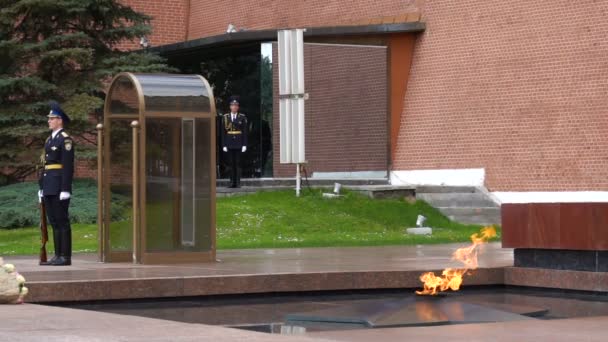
[[56, 184], [234, 139]]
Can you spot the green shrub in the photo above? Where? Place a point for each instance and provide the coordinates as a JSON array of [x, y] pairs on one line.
[[19, 205]]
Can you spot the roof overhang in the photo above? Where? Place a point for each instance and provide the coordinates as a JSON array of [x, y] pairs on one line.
[[271, 35]]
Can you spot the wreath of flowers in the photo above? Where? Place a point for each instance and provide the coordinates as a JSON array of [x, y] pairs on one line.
[[12, 285]]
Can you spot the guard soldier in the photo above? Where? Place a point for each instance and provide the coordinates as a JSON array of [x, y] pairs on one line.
[[56, 184], [234, 139]]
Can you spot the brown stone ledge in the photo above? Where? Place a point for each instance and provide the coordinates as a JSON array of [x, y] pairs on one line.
[[558, 279], [89, 290]]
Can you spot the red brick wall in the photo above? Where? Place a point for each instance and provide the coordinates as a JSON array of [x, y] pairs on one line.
[[346, 115], [211, 17], [516, 87], [169, 20], [85, 169]]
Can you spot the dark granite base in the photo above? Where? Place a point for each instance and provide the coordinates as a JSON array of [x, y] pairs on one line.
[[556, 259], [416, 311]]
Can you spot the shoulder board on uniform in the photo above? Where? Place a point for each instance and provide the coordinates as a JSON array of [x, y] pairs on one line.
[[64, 134]]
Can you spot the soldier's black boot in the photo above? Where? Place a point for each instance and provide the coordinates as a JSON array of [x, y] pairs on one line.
[[50, 262], [232, 179], [65, 258], [57, 246], [56, 243], [62, 261]]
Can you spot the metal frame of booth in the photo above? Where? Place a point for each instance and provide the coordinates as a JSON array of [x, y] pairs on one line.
[[177, 101]]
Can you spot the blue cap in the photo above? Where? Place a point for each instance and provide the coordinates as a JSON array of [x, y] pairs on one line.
[[233, 100], [57, 112]]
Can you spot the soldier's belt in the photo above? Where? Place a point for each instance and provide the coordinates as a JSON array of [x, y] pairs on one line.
[[53, 167], [234, 132]]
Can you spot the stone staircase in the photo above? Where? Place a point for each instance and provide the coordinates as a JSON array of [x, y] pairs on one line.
[[463, 204]]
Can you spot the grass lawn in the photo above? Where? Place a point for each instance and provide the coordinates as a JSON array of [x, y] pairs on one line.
[[280, 220]]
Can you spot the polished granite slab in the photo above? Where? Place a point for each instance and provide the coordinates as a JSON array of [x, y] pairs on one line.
[[556, 279], [255, 271], [416, 311], [44, 323], [264, 309], [589, 329], [560, 226]]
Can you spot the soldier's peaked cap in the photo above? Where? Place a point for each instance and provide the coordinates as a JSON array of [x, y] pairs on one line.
[[233, 100], [57, 112]]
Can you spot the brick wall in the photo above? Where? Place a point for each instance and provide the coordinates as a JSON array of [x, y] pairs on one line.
[[169, 20], [346, 115], [211, 17], [85, 169], [516, 87]]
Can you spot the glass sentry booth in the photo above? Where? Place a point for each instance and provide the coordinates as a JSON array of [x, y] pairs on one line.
[[156, 170]]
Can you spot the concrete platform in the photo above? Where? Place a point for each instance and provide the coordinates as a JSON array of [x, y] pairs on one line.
[[291, 182], [255, 271], [371, 191], [367, 187]]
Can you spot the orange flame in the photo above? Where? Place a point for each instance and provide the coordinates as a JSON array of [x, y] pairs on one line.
[[452, 278]]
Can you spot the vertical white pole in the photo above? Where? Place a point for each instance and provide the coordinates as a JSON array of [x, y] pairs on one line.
[[298, 180], [291, 103], [136, 204]]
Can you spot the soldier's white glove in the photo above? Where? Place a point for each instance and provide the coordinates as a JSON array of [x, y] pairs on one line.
[[244, 149], [39, 196], [64, 195], [225, 149]]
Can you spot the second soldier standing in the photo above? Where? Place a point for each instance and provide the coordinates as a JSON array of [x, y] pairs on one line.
[[234, 139]]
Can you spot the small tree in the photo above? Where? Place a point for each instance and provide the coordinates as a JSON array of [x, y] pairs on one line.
[[65, 50]]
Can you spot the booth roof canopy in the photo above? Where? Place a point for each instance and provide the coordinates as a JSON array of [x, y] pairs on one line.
[[229, 39], [132, 94]]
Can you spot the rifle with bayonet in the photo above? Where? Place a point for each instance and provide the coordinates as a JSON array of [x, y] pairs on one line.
[[44, 233]]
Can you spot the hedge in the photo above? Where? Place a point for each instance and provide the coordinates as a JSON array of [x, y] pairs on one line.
[[19, 204]]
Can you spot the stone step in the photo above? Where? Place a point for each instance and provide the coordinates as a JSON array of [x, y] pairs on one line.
[[422, 189], [372, 191], [456, 200], [270, 182], [476, 219], [471, 211], [481, 215], [225, 191], [384, 191]]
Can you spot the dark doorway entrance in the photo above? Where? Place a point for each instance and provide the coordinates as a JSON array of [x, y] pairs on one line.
[[244, 70]]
